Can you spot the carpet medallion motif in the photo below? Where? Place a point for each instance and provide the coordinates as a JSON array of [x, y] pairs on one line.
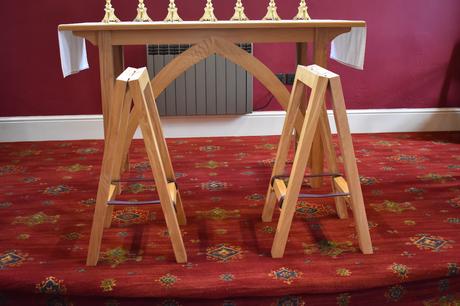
[[12, 259], [313, 210], [289, 301], [211, 165], [400, 270], [395, 293], [218, 214], [51, 285], [108, 284], [57, 190], [214, 186], [227, 277], [130, 215], [392, 206], [344, 299], [255, 197], [168, 280], [138, 188], [75, 168], [286, 275], [224, 253], [431, 243], [36, 219], [453, 269], [117, 256]]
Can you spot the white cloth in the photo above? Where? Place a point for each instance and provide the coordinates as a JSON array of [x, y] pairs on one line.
[[73, 53], [350, 48]]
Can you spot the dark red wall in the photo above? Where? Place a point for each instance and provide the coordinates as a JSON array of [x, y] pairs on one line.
[[413, 54]]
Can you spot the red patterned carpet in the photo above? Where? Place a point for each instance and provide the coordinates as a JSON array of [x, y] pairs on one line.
[[411, 184]]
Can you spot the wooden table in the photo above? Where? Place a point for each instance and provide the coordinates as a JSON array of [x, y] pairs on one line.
[[209, 38]]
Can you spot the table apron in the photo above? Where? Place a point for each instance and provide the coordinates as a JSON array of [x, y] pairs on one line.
[[193, 36]]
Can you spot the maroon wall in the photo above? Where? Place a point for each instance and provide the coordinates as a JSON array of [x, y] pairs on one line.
[[413, 54]]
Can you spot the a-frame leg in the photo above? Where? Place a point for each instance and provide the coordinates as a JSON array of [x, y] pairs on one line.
[[131, 129], [329, 152], [142, 95], [133, 124], [351, 169], [105, 188], [119, 161], [164, 152], [283, 147], [298, 168]]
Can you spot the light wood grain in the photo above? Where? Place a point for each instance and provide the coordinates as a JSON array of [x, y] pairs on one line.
[[279, 187], [330, 154], [284, 144], [341, 184], [119, 161], [107, 72], [320, 80], [193, 33], [350, 165], [320, 57], [114, 154], [105, 189], [142, 95], [254, 24], [172, 191], [300, 161]]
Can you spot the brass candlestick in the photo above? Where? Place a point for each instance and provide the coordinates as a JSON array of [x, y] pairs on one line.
[[208, 12], [239, 12], [303, 11], [142, 15], [109, 13], [172, 12], [272, 13]]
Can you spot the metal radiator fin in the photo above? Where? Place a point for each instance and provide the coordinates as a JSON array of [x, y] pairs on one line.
[[215, 86]]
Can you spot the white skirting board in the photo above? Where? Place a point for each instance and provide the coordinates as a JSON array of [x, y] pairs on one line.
[[14, 129]]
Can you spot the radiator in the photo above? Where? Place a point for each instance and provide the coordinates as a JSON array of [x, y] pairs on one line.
[[214, 86]]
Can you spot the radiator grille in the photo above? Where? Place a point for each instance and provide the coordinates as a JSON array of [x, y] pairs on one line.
[[214, 86]]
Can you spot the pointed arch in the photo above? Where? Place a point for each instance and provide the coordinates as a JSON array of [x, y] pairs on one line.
[[228, 50]]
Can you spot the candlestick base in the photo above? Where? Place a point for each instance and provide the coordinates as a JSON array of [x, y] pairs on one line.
[[109, 16], [303, 12], [272, 13], [142, 15], [239, 12], [173, 15], [208, 12]]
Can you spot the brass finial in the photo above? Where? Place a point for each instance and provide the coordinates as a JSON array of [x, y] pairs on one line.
[[173, 15], [239, 12], [208, 12], [303, 11], [272, 13], [109, 13], [142, 15]]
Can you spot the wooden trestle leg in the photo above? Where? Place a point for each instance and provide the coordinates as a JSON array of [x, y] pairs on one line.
[[344, 190], [117, 144]]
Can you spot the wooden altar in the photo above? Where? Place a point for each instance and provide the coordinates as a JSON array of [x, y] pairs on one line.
[[209, 38]]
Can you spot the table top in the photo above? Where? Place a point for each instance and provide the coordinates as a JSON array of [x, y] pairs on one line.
[[256, 24]]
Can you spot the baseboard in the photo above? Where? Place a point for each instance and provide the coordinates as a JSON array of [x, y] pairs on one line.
[[13, 129]]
